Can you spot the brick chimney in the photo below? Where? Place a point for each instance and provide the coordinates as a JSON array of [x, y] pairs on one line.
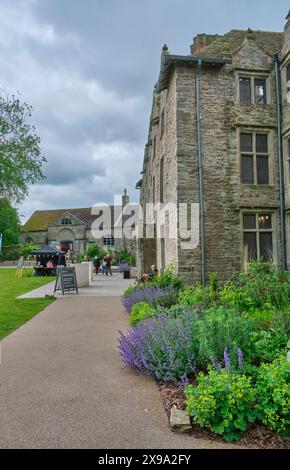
[[125, 198], [200, 41]]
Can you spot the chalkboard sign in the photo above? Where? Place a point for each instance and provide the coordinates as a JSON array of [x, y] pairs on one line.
[[66, 280]]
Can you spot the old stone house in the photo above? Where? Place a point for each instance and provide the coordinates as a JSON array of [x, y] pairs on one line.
[[72, 229], [219, 137]]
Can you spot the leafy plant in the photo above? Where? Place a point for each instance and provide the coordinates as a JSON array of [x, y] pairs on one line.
[[201, 296], [28, 248], [265, 346], [140, 312], [95, 250], [168, 278], [223, 337], [161, 347], [20, 154], [273, 392], [222, 402], [263, 287]]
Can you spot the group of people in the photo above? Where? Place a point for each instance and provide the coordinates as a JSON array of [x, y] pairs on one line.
[[105, 264]]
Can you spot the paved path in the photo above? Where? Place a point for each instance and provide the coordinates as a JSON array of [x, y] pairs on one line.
[[62, 384], [100, 286]]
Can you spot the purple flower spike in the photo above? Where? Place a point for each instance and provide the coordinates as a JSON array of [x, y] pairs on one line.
[[227, 358], [240, 358]]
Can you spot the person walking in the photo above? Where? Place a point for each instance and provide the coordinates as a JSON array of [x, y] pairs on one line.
[[96, 264], [109, 263], [105, 266]]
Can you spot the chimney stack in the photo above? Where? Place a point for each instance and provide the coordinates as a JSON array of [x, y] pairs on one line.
[[125, 198]]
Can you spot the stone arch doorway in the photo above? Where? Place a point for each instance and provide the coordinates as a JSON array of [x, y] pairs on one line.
[[66, 240]]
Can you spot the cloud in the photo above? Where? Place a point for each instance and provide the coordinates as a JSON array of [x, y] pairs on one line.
[[88, 69]]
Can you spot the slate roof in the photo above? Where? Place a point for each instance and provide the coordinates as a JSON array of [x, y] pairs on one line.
[[225, 46]]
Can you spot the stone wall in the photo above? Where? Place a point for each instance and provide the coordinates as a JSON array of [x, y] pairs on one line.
[[223, 119]]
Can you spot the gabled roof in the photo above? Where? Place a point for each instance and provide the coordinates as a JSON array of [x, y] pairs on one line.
[[225, 46], [40, 220]]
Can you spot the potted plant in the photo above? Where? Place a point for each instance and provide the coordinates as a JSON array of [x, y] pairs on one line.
[[125, 268]]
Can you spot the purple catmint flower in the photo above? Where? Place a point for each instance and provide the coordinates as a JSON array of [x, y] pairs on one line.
[[240, 358], [154, 347], [227, 358], [147, 294]]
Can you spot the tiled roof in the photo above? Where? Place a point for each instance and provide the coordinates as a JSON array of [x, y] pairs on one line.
[[226, 45], [40, 220]]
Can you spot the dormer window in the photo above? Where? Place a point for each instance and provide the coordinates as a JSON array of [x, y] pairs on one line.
[[252, 90], [66, 221]]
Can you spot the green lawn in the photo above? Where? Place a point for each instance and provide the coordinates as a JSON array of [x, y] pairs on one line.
[[14, 312]]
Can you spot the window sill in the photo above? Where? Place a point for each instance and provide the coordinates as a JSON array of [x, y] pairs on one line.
[[258, 186]]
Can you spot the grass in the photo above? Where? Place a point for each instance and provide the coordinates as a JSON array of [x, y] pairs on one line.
[[15, 312]]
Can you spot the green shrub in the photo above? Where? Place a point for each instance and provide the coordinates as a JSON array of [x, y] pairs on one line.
[[222, 402], [140, 312], [12, 256], [201, 296], [167, 279], [265, 346], [273, 392], [263, 287], [125, 257], [95, 250], [223, 337]]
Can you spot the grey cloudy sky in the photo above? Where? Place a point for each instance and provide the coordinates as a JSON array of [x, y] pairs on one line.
[[88, 68]]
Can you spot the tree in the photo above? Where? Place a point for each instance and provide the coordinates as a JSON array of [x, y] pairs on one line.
[[20, 154], [9, 223]]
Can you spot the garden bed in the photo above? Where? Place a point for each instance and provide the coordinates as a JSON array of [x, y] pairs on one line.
[[257, 436], [236, 333]]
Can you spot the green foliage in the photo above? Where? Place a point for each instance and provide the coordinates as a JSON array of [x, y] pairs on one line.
[[266, 345], [27, 249], [222, 402], [263, 288], [95, 250], [201, 296], [167, 279], [11, 256], [273, 392], [140, 312], [125, 256], [20, 154], [9, 222], [223, 330]]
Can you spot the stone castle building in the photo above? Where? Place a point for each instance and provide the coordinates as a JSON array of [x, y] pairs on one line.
[[219, 136], [71, 229]]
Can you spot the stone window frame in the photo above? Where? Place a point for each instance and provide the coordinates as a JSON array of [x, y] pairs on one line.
[[66, 221], [108, 240], [284, 66], [154, 142], [262, 75], [286, 148], [162, 123], [271, 149], [161, 180], [257, 230]]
